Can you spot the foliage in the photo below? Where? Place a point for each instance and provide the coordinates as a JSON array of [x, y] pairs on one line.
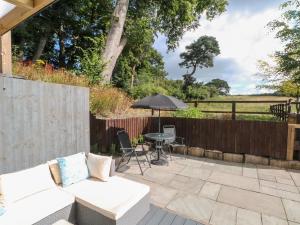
[[286, 63], [221, 86], [289, 88], [191, 112], [104, 100], [198, 54], [147, 89], [198, 92], [90, 62]]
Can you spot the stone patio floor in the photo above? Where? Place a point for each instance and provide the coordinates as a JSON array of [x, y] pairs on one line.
[[222, 193]]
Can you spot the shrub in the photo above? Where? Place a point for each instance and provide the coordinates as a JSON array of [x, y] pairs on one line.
[[191, 112], [147, 89], [106, 101]]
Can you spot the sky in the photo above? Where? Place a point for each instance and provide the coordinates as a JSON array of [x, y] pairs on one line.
[[243, 39]]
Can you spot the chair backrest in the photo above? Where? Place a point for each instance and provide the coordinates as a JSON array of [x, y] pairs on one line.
[[124, 140], [170, 129]]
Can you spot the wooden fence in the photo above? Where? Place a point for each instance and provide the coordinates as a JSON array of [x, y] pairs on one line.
[[233, 136]]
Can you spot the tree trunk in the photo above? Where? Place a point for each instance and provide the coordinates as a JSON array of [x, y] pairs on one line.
[[40, 48], [115, 42], [133, 76]]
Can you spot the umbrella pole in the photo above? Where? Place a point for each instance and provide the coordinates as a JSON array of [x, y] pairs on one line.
[[159, 121]]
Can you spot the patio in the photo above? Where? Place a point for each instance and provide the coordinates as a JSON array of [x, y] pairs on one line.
[[217, 192]]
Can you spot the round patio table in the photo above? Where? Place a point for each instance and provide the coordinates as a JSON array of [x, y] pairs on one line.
[[159, 139]]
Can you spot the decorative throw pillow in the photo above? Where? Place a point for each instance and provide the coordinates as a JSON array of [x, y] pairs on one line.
[[73, 169], [54, 168], [18, 185], [99, 166]]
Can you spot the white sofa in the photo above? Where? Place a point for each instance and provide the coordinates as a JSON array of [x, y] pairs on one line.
[[118, 201]]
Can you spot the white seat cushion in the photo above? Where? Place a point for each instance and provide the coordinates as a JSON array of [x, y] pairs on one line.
[[18, 185], [36, 207], [112, 198]]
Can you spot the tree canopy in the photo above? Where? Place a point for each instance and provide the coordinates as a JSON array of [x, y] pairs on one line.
[[285, 68]]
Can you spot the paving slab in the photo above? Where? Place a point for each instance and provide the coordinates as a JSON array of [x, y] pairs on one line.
[[250, 170], [293, 223], [186, 184], [230, 167], [285, 181], [296, 177], [277, 172], [292, 209], [284, 187], [192, 206], [210, 190], [247, 217], [223, 214], [158, 176], [234, 181], [250, 200], [161, 195], [199, 173], [271, 220], [267, 177], [280, 193]]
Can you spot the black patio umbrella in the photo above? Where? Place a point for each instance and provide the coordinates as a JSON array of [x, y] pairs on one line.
[[160, 102]]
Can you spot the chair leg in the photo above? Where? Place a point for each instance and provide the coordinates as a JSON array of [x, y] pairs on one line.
[[129, 158], [147, 159], [139, 163], [118, 166], [170, 152]]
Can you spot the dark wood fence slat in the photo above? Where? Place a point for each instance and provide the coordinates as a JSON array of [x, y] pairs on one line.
[[234, 136]]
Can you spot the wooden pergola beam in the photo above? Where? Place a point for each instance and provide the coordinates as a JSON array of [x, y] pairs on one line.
[[20, 13], [22, 3], [5, 54]]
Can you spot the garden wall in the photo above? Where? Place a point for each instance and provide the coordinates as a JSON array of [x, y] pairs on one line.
[[41, 121], [259, 138]]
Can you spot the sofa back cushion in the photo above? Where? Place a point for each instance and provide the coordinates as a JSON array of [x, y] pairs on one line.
[[55, 172], [73, 169], [18, 185], [99, 166]]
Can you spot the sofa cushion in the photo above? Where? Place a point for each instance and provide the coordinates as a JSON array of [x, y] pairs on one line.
[[54, 169], [18, 185], [36, 207], [73, 169], [111, 199], [99, 166], [2, 210]]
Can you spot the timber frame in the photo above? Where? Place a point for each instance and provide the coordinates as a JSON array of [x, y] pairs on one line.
[[23, 10]]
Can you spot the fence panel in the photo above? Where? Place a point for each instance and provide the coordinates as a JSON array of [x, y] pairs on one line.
[[233, 136]]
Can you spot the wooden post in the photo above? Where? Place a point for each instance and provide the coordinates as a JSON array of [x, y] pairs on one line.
[[291, 141], [5, 54], [233, 111], [195, 104]]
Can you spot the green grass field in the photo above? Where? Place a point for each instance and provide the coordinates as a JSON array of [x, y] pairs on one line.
[[251, 107]]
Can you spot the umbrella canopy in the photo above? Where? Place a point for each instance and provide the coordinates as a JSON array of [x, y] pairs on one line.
[[160, 102]]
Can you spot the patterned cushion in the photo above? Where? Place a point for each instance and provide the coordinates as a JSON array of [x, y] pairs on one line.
[[73, 169]]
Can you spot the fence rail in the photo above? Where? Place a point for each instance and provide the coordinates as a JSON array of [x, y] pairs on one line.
[[233, 136]]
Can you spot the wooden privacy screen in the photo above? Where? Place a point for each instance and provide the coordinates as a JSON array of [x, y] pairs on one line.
[[41, 121], [246, 137]]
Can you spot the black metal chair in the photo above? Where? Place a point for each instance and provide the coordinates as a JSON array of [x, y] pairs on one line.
[[128, 150], [174, 142]]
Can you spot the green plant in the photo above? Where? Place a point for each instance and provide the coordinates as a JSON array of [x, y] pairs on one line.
[[147, 89], [191, 112], [91, 62]]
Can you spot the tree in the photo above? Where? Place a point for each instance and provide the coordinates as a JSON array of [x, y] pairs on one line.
[[198, 54], [221, 86], [285, 66], [171, 18]]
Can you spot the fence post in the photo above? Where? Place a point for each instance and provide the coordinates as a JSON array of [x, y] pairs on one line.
[[152, 112], [195, 104], [233, 110]]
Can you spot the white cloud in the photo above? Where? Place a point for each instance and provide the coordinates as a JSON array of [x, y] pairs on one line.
[[243, 38]]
